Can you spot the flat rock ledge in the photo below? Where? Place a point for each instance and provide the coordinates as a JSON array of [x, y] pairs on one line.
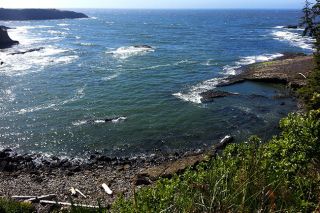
[[210, 95], [290, 69]]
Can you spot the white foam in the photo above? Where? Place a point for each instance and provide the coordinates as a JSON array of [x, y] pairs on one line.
[[55, 32], [63, 25], [193, 95], [87, 44], [21, 64], [99, 121], [126, 52], [234, 69], [79, 123], [294, 39], [120, 119], [108, 78]]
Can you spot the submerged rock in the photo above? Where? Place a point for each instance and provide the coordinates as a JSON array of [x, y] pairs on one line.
[[292, 26], [27, 51], [5, 40], [143, 46], [210, 95], [37, 14]]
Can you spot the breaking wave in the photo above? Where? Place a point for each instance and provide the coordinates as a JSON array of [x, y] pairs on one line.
[[126, 52], [294, 38]]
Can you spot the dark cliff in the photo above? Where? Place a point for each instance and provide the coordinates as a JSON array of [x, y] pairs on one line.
[[5, 40], [38, 14]]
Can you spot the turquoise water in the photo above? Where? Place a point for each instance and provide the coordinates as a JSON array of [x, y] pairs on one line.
[[89, 69]]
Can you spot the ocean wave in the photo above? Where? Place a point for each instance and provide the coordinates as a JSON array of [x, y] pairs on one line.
[[193, 95], [55, 32], [78, 95], [108, 78], [63, 25], [293, 38], [21, 64], [233, 69], [126, 52], [99, 121]]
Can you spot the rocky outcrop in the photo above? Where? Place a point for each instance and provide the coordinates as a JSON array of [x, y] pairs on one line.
[[5, 40], [291, 70], [210, 95], [37, 14]]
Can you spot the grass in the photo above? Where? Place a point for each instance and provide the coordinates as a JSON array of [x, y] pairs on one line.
[[281, 175], [10, 206]]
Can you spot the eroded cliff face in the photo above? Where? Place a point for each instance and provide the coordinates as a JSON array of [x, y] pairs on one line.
[[5, 40]]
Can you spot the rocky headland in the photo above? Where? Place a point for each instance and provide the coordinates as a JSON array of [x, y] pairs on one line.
[[37, 14], [5, 40]]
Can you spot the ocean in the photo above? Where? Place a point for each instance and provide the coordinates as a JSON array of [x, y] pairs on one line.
[[53, 101]]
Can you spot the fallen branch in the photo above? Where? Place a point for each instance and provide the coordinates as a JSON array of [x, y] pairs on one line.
[[67, 204], [77, 190], [36, 199]]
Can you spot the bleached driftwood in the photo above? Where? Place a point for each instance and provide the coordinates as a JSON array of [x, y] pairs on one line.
[[107, 189], [77, 190], [50, 196], [302, 75], [73, 191], [67, 204]]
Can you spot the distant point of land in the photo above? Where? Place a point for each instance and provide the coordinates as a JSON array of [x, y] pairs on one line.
[[37, 14]]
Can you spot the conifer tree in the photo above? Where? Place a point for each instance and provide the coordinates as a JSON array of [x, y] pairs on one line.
[[307, 19], [311, 92]]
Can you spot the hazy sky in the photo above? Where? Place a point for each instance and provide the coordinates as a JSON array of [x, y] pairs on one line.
[[292, 4]]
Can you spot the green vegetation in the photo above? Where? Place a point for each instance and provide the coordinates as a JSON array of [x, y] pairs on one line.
[[311, 93], [281, 175], [9, 206]]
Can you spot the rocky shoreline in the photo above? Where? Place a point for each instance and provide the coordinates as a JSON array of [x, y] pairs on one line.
[[36, 175]]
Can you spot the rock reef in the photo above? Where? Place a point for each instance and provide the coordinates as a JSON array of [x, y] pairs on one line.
[[291, 69], [37, 14], [5, 40]]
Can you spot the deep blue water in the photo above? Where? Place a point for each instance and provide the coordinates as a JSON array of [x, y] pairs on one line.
[[89, 69]]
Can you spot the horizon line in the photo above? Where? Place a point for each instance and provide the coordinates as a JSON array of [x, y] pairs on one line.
[[108, 8]]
